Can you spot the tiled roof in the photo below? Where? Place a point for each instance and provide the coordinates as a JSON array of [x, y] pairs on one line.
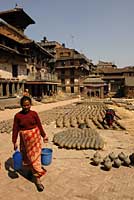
[[43, 50], [111, 70], [50, 43], [128, 69], [22, 19], [93, 80], [10, 50]]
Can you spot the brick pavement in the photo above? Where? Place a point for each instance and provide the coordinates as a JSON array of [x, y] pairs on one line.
[[70, 175]]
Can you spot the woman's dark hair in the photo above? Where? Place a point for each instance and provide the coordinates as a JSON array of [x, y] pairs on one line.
[[25, 98]]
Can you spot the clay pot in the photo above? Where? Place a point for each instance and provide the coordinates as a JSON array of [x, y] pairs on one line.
[[117, 162], [82, 125], [121, 156], [97, 154], [112, 156], [96, 161], [106, 159], [107, 165], [126, 161], [131, 157]]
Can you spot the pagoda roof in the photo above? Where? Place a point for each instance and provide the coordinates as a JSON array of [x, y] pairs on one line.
[[17, 18], [12, 33]]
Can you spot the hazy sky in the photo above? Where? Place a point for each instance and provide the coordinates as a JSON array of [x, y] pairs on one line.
[[101, 29]]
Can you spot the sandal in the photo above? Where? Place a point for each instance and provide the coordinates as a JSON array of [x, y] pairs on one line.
[[40, 187]]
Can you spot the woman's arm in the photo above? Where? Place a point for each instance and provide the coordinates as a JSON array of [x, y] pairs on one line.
[[15, 130]]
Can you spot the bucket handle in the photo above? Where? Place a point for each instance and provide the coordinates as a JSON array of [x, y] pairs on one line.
[[48, 145]]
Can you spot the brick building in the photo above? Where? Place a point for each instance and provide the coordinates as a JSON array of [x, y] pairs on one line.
[[70, 65], [23, 62], [118, 81]]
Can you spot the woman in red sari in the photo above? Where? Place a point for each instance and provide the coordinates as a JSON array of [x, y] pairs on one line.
[[28, 126]]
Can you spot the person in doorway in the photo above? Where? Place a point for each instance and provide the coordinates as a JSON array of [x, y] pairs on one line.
[[26, 92], [28, 126]]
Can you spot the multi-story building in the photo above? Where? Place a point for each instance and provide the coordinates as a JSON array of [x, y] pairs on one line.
[[128, 73], [23, 62], [69, 64], [72, 67], [119, 82], [78, 75]]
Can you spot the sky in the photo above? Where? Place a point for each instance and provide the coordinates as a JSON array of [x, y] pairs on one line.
[[100, 29]]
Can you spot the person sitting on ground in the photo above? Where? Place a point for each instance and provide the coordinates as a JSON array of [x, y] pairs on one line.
[[109, 117], [28, 126]]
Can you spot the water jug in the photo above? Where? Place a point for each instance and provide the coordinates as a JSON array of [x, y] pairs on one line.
[[17, 160]]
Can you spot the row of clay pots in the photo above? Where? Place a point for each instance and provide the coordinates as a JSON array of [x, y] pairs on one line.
[[112, 160], [78, 139], [85, 112]]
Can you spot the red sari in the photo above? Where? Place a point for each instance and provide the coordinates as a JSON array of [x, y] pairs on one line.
[[30, 147], [29, 127]]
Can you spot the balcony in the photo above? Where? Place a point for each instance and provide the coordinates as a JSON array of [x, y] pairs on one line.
[[39, 76]]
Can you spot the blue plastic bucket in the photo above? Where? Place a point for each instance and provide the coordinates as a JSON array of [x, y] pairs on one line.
[[46, 156], [17, 160]]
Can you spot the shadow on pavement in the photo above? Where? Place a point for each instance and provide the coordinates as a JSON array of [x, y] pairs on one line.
[[13, 174], [9, 167]]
